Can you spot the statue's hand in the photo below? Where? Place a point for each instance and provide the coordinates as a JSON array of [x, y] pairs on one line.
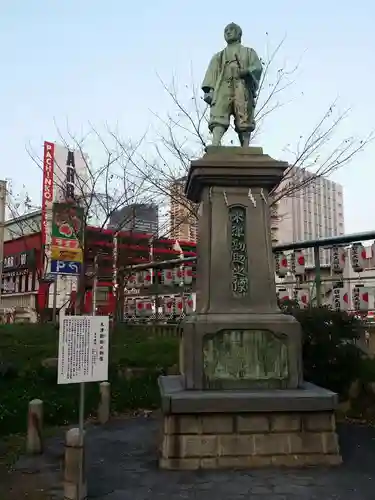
[[208, 97]]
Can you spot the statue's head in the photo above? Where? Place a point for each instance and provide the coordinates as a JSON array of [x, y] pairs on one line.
[[232, 33]]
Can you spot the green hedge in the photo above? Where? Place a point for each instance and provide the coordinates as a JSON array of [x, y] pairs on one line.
[[24, 347], [330, 359]]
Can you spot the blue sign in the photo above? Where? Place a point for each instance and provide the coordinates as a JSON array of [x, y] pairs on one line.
[[65, 267]]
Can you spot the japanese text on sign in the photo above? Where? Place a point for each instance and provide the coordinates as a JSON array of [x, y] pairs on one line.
[[240, 278], [83, 349]]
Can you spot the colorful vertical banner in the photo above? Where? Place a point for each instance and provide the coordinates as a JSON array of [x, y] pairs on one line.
[[67, 238], [47, 199], [65, 174]]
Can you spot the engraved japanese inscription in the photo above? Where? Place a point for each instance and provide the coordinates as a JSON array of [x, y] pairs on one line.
[[240, 277], [248, 355]]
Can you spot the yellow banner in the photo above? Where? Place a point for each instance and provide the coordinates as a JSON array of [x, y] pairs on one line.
[[67, 254]]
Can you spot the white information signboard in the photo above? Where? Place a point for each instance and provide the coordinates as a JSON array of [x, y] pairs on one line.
[[83, 349]]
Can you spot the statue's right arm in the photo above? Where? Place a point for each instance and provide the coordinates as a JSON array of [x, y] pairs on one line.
[[209, 81]]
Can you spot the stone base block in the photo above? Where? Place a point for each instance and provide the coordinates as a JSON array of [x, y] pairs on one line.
[[239, 438]]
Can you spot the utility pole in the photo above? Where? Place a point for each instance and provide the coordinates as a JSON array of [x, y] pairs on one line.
[[3, 197]]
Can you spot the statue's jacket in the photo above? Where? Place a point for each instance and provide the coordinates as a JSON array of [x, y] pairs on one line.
[[246, 58]]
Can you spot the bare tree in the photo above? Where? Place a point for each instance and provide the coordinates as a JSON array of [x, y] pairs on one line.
[[107, 183]]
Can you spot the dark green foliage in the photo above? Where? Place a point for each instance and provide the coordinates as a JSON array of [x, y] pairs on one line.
[[330, 355]]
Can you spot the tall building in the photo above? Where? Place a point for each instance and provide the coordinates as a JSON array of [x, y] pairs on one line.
[[315, 211], [138, 217], [183, 221]]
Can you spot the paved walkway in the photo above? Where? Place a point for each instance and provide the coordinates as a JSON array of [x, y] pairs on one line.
[[123, 466]]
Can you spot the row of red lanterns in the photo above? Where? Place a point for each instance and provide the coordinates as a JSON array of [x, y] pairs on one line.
[[296, 263], [358, 258], [361, 297], [145, 307]]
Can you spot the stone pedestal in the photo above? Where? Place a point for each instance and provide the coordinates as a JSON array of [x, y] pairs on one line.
[[245, 429], [239, 352]]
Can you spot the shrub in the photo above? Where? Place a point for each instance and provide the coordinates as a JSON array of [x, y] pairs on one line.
[[330, 355]]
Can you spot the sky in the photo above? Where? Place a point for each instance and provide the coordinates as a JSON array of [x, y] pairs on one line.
[[71, 65]]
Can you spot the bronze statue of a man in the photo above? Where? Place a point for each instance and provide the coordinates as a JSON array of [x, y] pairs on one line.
[[230, 86]]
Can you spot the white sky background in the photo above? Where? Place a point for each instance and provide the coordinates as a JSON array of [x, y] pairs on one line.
[[93, 62]]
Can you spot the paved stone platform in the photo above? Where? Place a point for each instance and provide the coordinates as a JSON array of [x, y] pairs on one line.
[[123, 466]]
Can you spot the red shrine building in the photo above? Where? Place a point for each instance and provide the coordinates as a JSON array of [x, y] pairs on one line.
[[25, 291]]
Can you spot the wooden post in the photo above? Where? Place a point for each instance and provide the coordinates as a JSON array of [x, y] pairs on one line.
[[34, 440], [105, 402], [74, 457]]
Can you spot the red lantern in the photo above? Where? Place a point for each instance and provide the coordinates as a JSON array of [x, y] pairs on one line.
[[178, 275], [340, 299], [361, 298], [298, 263], [338, 258], [139, 307], [148, 310], [358, 257], [188, 275], [283, 294], [189, 305], [168, 306], [302, 297], [281, 263], [179, 305], [147, 278], [167, 277]]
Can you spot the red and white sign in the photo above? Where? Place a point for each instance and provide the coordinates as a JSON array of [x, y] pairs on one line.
[[358, 257], [65, 178], [298, 263], [281, 264], [340, 299], [338, 258], [47, 197], [63, 243], [360, 298]]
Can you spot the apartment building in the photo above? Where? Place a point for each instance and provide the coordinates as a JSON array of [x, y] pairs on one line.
[[183, 221], [312, 212]]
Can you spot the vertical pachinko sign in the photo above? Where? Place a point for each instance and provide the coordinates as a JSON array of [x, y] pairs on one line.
[[47, 199]]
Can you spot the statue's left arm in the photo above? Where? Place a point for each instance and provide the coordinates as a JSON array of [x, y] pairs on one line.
[[254, 68]]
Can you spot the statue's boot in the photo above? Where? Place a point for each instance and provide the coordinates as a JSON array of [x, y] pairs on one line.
[[217, 135], [244, 138]]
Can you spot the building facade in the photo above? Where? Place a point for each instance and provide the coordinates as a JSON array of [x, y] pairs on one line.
[[315, 211], [183, 218], [138, 217]]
